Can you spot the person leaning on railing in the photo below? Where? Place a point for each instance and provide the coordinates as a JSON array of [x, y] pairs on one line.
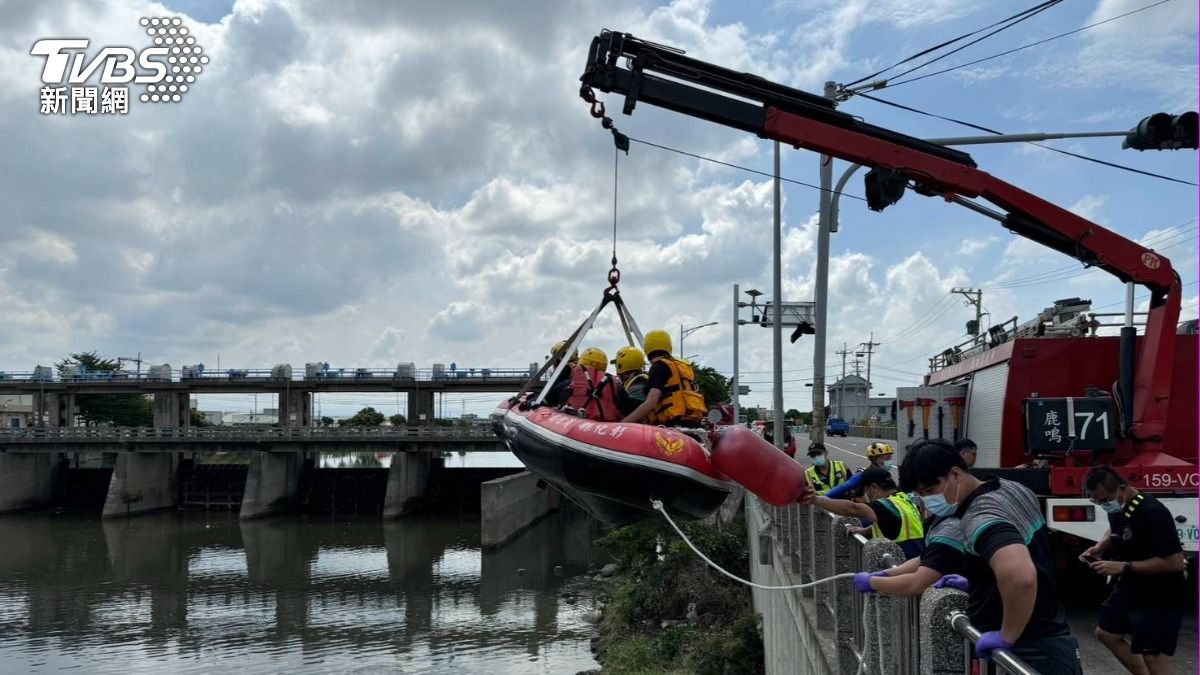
[[891, 512], [1013, 594], [940, 564]]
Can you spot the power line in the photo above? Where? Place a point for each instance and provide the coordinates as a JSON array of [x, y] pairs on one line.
[[890, 85], [1025, 14], [736, 166], [1040, 145]]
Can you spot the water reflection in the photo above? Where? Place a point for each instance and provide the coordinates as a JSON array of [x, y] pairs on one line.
[[194, 593]]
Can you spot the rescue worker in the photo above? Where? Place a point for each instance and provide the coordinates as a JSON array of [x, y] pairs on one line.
[[1145, 556], [631, 369], [592, 391], [671, 393], [1009, 559], [560, 389], [823, 475], [891, 512], [879, 454]]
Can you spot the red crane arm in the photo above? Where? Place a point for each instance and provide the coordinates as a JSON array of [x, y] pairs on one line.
[[801, 119]]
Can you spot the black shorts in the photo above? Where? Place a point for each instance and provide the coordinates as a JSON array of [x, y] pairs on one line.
[[1153, 630], [1057, 655]]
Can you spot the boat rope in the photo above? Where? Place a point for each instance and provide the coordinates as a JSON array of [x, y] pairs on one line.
[[873, 632]]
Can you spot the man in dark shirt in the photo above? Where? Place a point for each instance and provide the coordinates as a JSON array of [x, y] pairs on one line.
[[1008, 557], [1147, 560], [939, 565], [893, 514]]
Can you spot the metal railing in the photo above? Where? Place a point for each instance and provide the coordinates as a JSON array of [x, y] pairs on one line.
[[481, 432], [1002, 661], [268, 375]]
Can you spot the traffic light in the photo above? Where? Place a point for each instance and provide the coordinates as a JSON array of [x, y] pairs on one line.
[[884, 187], [1161, 131]]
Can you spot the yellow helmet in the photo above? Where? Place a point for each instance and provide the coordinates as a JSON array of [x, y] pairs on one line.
[[629, 358], [559, 346], [657, 341], [878, 448], [594, 358]]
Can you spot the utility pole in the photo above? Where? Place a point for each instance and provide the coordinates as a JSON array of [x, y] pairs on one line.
[[974, 297], [777, 325], [868, 348], [733, 386], [817, 435], [841, 393]]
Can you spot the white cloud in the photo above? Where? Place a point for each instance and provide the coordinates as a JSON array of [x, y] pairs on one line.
[[970, 247]]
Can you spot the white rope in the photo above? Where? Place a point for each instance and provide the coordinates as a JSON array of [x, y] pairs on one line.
[[871, 605]]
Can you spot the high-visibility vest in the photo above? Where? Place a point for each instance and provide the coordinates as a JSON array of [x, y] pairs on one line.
[[910, 519], [595, 393], [680, 401], [820, 484]]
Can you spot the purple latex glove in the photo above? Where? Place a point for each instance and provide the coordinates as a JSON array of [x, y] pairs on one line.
[[952, 581], [862, 581], [989, 641]]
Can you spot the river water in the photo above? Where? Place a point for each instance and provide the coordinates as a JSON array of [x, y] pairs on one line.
[[202, 593]]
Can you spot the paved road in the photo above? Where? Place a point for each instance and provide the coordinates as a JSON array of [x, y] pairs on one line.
[[1081, 612]]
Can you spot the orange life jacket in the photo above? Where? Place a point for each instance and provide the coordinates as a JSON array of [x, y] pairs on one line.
[[681, 402], [595, 393]]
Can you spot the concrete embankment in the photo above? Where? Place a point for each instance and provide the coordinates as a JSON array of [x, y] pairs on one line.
[[512, 503]]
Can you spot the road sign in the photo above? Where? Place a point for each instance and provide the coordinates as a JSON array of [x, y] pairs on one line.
[[793, 313], [1062, 424], [743, 389]]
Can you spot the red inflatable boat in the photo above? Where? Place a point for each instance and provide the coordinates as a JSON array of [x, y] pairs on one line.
[[613, 470]]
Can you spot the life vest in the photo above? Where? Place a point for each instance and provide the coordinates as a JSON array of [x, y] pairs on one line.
[[680, 402], [819, 484], [910, 519], [595, 393], [636, 386]]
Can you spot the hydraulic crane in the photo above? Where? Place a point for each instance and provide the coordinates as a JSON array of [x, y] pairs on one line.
[[666, 77]]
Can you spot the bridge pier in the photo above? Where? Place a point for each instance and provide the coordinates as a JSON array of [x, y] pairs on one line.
[[142, 482], [295, 409], [272, 483], [420, 403], [26, 480], [408, 477], [172, 411], [55, 410]]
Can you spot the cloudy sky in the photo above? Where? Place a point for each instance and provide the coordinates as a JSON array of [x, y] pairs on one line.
[[420, 182]]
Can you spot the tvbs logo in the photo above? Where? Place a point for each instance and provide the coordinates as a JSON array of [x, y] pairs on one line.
[[167, 69]]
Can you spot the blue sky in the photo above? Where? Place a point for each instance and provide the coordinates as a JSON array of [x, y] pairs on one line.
[[385, 183]]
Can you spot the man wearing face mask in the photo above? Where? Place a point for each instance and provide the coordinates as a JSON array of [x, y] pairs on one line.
[[1145, 602], [879, 454], [824, 475], [1013, 594], [891, 512]]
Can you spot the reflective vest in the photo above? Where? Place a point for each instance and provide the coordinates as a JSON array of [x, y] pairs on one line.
[[595, 393], [910, 519], [837, 475], [680, 402]]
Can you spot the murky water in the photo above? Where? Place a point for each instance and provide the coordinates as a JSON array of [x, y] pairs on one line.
[[203, 593]]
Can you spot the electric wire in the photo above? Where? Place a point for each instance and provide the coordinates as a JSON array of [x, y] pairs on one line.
[[1043, 41]]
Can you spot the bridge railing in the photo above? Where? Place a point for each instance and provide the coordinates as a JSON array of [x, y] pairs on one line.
[[190, 374], [264, 434]]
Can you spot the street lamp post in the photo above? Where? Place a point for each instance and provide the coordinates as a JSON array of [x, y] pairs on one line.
[[736, 385], [684, 332]]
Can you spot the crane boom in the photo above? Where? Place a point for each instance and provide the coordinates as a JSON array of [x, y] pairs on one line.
[[665, 77]]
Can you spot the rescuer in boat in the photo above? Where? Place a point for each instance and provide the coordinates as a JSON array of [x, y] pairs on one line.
[[591, 390], [892, 513], [671, 394], [631, 369], [824, 474], [560, 389]]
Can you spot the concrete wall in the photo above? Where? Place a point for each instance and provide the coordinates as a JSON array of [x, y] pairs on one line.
[[512, 503], [142, 482], [408, 476], [272, 484], [26, 480]]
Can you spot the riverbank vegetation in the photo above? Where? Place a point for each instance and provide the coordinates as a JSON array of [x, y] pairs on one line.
[[668, 612]]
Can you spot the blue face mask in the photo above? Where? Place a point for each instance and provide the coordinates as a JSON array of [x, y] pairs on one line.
[[888, 466], [819, 460], [1111, 506], [937, 503]]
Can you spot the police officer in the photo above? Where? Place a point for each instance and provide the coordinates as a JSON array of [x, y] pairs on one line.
[[824, 474], [891, 512], [1147, 560]]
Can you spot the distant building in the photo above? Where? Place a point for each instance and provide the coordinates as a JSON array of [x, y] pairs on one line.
[[848, 398], [251, 418], [213, 417], [883, 408], [16, 411]]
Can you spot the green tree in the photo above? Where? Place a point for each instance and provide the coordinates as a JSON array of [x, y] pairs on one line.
[[398, 420], [792, 414], [198, 419], [712, 384], [121, 410], [367, 417], [327, 421]]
